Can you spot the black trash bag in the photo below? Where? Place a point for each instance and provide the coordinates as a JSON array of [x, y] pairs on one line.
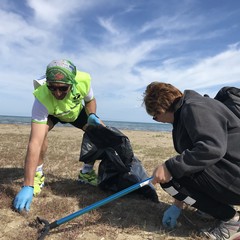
[[119, 168]]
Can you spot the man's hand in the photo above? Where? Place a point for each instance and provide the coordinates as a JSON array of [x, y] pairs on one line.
[[170, 217], [93, 119], [161, 174], [23, 199]]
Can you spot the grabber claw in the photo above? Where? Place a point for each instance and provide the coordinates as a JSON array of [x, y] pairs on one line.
[[46, 228]]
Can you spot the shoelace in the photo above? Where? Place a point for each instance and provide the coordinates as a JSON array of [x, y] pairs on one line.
[[221, 232], [91, 177]]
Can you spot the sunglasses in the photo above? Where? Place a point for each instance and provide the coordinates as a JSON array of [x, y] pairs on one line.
[[155, 116], [60, 89]]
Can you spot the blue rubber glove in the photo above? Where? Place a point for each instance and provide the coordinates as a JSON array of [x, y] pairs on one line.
[[23, 198], [93, 119], [170, 216]]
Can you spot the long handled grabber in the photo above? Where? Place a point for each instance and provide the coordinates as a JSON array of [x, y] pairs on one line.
[[48, 226]]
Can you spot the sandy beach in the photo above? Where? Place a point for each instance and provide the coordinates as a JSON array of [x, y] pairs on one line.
[[130, 217]]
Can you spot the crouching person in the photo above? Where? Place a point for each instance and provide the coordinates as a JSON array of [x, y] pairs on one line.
[[64, 94], [206, 172]]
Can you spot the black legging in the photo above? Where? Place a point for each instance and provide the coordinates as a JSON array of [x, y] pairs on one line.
[[205, 194]]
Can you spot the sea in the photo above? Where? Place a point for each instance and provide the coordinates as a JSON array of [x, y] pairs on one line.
[[136, 126]]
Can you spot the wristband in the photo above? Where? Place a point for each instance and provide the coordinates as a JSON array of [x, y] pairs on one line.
[[93, 114]]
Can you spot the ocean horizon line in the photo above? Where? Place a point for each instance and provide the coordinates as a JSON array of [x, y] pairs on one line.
[[121, 125], [3, 115]]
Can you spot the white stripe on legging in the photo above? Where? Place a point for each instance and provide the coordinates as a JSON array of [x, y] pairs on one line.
[[172, 191]]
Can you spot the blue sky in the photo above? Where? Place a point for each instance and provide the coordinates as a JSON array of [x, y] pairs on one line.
[[124, 45]]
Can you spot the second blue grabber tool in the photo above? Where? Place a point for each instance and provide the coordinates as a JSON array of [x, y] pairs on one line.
[[48, 226]]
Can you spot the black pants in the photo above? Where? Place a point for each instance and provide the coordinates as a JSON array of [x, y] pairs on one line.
[[205, 194], [80, 122]]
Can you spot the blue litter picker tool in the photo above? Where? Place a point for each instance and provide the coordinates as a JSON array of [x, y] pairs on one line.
[[48, 226]]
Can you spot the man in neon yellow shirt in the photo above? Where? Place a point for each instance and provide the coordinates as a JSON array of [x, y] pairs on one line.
[[59, 97]]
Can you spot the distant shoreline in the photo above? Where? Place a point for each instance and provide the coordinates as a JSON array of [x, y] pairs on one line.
[[135, 126]]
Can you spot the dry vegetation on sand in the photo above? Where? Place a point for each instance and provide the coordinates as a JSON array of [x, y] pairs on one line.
[[129, 217]]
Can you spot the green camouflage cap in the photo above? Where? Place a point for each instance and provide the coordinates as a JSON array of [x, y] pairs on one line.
[[61, 71]]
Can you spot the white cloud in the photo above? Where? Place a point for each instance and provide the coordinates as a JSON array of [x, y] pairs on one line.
[[107, 24], [221, 69], [57, 12]]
